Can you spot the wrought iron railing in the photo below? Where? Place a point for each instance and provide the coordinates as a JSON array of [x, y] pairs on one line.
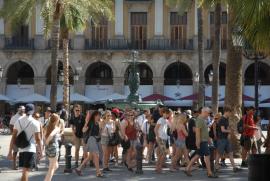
[[19, 43]]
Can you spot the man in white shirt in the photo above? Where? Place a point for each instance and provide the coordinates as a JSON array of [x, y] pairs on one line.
[[13, 120], [162, 137], [142, 118], [32, 131]]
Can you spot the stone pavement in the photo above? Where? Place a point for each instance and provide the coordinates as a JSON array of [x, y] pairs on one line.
[[118, 174]]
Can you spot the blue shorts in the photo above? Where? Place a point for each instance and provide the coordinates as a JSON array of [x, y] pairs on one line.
[[181, 144], [204, 149], [223, 145]]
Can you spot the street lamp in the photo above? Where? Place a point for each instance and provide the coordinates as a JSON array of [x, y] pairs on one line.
[[210, 78], [1, 72], [19, 82]]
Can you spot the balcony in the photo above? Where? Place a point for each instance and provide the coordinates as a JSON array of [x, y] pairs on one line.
[[151, 44], [17, 43], [70, 45], [209, 45]]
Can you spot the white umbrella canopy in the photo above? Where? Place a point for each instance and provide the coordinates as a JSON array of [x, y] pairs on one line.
[[4, 98], [33, 98], [76, 97], [114, 96]]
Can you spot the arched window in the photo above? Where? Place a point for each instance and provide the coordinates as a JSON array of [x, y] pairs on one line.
[[60, 69], [99, 73], [263, 74], [178, 73], [222, 73], [20, 73], [146, 74]]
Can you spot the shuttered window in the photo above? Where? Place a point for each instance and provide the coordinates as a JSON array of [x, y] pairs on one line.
[[139, 30], [178, 25]]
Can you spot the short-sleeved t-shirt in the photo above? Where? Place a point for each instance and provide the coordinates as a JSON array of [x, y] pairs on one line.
[[222, 122], [15, 118], [250, 122], [162, 131], [202, 124], [29, 130], [78, 123]]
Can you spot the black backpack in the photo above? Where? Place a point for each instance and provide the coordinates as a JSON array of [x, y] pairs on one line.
[[21, 140], [240, 126]]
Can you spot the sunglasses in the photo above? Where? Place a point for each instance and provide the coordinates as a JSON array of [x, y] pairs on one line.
[[77, 110]]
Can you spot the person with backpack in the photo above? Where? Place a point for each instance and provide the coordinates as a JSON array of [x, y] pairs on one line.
[[26, 136], [223, 142], [248, 141], [52, 137], [92, 140]]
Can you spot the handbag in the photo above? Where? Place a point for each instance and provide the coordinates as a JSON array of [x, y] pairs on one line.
[[114, 138]]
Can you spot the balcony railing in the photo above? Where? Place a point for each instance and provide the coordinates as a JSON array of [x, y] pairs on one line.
[[70, 45], [17, 43], [151, 44]]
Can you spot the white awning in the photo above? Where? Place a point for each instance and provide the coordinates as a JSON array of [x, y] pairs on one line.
[[114, 96], [33, 98], [4, 98], [75, 97]]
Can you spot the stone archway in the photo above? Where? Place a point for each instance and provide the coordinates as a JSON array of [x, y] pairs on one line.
[[178, 73], [263, 74], [99, 73], [60, 68], [222, 73], [146, 74]]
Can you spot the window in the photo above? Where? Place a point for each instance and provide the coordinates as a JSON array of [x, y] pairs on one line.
[[100, 34], [20, 36], [178, 30], [224, 29], [139, 30]]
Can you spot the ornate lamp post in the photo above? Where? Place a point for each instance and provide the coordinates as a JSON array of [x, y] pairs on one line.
[[197, 79], [1, 72]]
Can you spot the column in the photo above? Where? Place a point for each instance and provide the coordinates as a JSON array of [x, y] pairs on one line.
[[118, 85], [158, 85], [78, 43], [40, 85], [158, 17], [3, 84], [195, 38], [2, 29], [79, 86], [40, 42], [119, 18]]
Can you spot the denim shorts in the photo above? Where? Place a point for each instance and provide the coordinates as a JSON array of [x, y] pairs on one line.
[[204, 149], [223, 145], [181, 144]]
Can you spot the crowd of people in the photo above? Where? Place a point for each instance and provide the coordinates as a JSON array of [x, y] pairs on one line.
[[169, 138]]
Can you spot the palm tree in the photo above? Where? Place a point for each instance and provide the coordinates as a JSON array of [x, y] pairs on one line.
[[253, 19], [76, 15]]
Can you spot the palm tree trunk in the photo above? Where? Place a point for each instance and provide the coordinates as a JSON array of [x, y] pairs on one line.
[[233, 91], [216, 58], [54, 55], [201, 57], [66, 86]]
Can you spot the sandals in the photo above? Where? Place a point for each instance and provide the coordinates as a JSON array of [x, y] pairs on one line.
[[100, 175], [79, 172], [187, 173], [212, 175]]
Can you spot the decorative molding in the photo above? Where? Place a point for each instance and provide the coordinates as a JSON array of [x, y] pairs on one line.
[[19, 55]]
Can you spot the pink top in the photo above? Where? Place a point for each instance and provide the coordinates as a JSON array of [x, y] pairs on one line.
[[181, 135]]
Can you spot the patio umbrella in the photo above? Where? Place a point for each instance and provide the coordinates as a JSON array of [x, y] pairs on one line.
[[265, 101], [245, 98], [33, 98], [194, 97], [4, 98], [76, 97], [154, 97], [114, 96]]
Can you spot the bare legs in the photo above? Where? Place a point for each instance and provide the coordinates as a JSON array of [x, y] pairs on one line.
[[52, 167], [106, 155], [25, 173]]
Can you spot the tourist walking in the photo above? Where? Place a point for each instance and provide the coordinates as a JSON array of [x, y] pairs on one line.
[[202, 139], [26, 144], [13, 120], [52, 136], [92, 140], [77, 123], [162, 138]]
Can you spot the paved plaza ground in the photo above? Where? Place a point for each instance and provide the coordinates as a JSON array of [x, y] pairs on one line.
[[119, 173]]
